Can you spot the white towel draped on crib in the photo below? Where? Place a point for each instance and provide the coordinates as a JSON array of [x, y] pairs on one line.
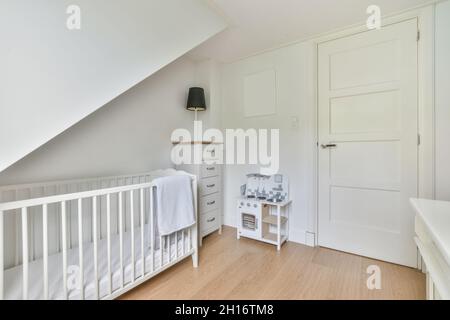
[[175, 204]]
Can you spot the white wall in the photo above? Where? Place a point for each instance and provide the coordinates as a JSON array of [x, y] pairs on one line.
[[208, 77], [51, 77], [131, 134], [295, 95], [443, 101]]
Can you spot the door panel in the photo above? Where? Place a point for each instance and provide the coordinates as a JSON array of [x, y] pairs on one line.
[[363, 65], [368, 109], [354, 206], [374, 164], [366, 113]]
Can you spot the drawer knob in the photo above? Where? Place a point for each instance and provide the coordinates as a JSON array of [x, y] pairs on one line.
[[210, 168], [211, 203], [210, 185], [211, 220]]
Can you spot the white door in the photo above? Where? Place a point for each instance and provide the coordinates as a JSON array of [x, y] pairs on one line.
[[368, 143]]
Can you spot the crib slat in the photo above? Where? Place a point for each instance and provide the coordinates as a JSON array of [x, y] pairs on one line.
[[176, 244], [142, 233], [25, 252], [161, 249], [64, 246], [169, 249], [132, 235], [117, 211], [31, 212], [69, 210], [121, 238], [183, 241], [95, 237], [18, 236], [58, 221], [80, 247], [108, 236], [45, 248], [2, 253], [189, 239], [152, 241]]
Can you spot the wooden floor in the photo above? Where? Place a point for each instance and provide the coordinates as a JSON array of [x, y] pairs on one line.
[[247, 269]]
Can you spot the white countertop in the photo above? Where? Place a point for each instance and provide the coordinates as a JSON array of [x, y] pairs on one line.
[[436, 216], [277, 204]]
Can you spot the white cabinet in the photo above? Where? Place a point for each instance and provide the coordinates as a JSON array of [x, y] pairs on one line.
[[249, 219], [209, 196], [432, 227]]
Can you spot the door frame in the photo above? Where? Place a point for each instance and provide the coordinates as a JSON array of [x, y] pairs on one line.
[[426, 113]]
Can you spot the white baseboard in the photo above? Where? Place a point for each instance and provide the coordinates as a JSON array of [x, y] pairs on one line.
[[310, 239]]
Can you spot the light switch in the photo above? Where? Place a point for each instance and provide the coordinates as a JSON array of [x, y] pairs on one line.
[[294, 123]]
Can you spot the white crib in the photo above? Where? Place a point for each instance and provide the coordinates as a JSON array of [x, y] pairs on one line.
[[42, 257]]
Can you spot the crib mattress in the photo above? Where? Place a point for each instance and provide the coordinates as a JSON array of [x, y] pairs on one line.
[[14, 277]]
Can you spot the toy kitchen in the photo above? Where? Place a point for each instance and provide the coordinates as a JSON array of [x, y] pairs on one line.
[[263, 209]]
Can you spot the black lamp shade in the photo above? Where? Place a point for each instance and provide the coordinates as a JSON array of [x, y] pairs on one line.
[[196, 100]]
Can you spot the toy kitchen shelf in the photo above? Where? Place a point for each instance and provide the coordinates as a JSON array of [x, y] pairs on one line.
[[264, 221]]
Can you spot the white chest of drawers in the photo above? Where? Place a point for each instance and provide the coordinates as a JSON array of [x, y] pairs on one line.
[[209, 196]]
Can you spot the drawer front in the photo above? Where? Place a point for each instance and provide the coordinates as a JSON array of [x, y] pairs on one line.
[[209, 203], [209, 221], [209, 170], [209, 186]]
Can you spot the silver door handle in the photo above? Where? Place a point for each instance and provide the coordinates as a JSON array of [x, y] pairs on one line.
[[328, 146]]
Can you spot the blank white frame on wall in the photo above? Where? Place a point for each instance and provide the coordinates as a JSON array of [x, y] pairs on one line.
[[260, 93]]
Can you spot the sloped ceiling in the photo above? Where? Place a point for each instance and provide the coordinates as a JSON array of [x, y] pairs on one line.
[[257, 25], [52, 77]]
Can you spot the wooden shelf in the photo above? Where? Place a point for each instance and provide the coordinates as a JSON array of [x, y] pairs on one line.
[[272, 237], [273, 220]]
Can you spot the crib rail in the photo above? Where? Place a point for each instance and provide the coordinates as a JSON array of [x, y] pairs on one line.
[[141, 217], [10, 193]]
